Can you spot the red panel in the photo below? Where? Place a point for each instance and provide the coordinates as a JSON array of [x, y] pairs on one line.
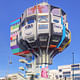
[[21, 53], [11, 38], [54, 46]]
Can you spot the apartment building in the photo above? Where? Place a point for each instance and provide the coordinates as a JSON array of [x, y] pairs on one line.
[[66, 72]]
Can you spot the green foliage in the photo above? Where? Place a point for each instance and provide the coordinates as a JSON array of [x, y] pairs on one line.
[[9, 79]]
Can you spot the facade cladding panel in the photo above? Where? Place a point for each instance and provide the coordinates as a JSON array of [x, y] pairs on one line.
[[43, 8], [43, 28], [13, 37], [56, 20], [31, 11], [38, 21], [43, 19], [29, 30], [37, 9], [57, 28], [56, 11]]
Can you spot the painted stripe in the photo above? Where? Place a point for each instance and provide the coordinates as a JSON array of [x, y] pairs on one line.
[[15, 34], [23, 52], [14, 30], [17, 50], [64, 33], [14, 27], [13, 38], [54, 46], [17, 21], [66, 43], [14, 47]]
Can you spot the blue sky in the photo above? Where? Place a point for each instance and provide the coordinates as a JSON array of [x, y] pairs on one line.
[[12, 9]]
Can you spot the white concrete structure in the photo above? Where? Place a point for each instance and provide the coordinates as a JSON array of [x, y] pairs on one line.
[[66, 72], [69, 72], [13, 77], [53, 75]]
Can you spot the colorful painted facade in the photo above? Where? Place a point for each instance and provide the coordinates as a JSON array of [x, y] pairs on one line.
[[41, 27]]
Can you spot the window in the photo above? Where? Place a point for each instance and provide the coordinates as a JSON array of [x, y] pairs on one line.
[[75, 65], [75, 74], [56, 21], [77, 78], [60, 70], [60, 76], [56, 76], [75, 68], [67, 75], [66, 72]]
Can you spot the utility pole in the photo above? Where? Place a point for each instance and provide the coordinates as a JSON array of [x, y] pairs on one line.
[[73, 64]]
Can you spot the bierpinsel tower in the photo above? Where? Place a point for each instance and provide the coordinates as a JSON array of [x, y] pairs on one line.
[[41, 32]]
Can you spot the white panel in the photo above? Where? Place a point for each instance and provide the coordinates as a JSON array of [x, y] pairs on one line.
[[56, 20], [13, 43], [67, 34], [64, 18], [77, 72], [29, 31], [57, 28], [56, 12]]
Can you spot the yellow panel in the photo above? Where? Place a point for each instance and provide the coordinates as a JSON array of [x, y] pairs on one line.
[[65, 45], [11, 28], [14, 37]]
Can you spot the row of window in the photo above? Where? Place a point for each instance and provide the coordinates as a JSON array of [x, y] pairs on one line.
[[75, 74], [75, 65], [76, 68], [68, 75]]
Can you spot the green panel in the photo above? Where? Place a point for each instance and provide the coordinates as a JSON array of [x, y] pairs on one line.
[[17, 50], [16, 26]]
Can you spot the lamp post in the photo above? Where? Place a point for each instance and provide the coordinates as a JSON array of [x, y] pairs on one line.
[[9, 62]]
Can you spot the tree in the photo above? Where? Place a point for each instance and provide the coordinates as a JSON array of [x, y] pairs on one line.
[[9, 79]]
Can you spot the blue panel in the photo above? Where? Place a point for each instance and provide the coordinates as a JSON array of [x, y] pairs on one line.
[[31, 21], [75, 74], [66, 75], [43, 27], [62, 20], [17, 21], [33, 58], [57, 21], [37, 73], [64, 33], [75, 68], [40, 66]]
